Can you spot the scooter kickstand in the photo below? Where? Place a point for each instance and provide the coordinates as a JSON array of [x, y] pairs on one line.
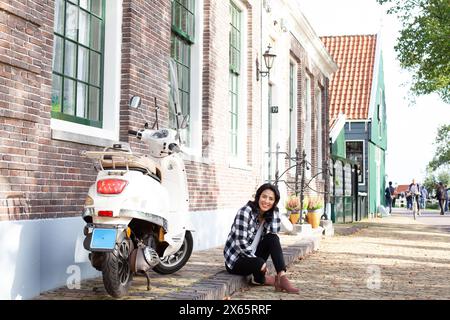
[[148, 280]]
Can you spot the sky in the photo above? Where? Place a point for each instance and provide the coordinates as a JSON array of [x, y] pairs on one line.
[[412, 129]]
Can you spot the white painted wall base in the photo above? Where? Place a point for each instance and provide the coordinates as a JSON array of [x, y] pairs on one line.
[[40, 255]]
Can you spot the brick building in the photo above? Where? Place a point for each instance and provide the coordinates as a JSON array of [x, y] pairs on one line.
[[67, 72]]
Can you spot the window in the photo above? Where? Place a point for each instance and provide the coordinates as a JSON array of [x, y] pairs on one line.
[[307, 143], [78, 54], [234, 80], [355, 152], [292, 112], [319, 132], [182, 39]]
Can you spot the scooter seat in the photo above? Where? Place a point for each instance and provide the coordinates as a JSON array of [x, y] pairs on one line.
[[137, 162]]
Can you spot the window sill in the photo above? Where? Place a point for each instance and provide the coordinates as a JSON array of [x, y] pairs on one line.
[[239, 164], [81, 138]]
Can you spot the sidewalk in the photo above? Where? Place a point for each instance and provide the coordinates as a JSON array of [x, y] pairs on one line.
[[202, 278], [394, 258]]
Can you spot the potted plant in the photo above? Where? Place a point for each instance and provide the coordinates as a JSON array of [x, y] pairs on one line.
[[314, 207], [293, 208]]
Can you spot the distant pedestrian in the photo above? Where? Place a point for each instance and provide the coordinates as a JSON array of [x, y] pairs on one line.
[[414, 191], [389, 195], [253, 238], [440, 196], [423, 196]]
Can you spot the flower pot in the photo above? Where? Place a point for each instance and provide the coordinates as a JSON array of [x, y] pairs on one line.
[[294, 216], [314, 217]]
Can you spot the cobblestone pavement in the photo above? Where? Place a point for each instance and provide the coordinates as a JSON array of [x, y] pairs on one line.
[[393, 258], [201, 266]]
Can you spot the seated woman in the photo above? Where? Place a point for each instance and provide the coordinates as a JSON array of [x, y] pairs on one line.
[[253, 239]]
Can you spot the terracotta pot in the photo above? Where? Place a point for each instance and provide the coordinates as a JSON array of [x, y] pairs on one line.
[[314, 217], [294, 216]]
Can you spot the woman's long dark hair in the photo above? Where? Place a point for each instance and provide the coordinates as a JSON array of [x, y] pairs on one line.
[[268, 215]]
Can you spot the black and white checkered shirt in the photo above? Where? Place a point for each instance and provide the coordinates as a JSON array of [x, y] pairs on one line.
[[243, 232]]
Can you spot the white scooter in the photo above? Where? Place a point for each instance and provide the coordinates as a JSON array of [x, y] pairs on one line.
[[136, 212]]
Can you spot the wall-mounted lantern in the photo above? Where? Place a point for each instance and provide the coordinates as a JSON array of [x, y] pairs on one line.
[[268, 61]]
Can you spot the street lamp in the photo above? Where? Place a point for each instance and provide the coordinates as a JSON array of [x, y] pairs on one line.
[[268, 61]]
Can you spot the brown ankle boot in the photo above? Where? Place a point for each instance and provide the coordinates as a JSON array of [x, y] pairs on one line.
[[269, 280], [283, 284]]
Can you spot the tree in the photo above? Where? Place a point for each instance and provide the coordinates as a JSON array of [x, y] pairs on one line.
[[423, 46], [442, 154]]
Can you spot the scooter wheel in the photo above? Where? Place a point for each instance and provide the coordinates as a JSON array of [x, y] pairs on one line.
[[116, 269], [176, 261]]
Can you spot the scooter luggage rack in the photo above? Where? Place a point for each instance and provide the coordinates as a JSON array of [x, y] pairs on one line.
[[119, 159]]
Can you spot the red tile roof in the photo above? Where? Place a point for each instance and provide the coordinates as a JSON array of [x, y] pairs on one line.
[[401, 188], [351, 85]]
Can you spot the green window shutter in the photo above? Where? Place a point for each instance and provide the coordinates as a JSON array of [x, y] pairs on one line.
[[78, 57]]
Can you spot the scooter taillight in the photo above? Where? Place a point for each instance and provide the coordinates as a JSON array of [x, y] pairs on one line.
[[105, 213], [111, 186]]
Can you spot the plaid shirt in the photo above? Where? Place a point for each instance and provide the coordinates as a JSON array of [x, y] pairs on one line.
[[243, 232]]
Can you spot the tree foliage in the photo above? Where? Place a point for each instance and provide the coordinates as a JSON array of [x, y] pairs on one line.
[[442, 154], [423, 46]]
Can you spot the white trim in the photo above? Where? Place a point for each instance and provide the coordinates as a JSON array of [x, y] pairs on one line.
[[307, 143], [305, 34], [70, 131], [376, 67], [240, 161], [364, 159], [196, 89], [319, 133], [337, 127], [294, 128]]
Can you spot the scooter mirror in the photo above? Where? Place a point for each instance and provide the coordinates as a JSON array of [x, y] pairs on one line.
[[135, 102]]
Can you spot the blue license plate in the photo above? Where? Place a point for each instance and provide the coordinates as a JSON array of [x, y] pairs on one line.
[[103, 239]]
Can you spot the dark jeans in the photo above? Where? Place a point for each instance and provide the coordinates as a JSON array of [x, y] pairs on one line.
[[389, 203], [442, 205], [268, 246]]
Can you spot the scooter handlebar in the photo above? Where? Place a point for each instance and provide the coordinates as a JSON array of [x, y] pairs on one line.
[[133, 132]]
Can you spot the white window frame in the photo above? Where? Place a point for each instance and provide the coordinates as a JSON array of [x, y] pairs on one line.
[[319, 133], [293, 114], [71, 131], [308, 122], [194, 151], [363, 169], [240, 161]]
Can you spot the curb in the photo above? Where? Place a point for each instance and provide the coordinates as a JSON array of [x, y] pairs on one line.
[[223, 284]]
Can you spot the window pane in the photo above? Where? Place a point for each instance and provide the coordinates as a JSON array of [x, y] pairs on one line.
[[81, 100], [58, 54], [94, 69], [56, 93], [69, 97], [59, 17], [84, 4], [96, 34], [72, 21], [70, 59], [97, 7], [84, 28], [94, 103], [83, 64]]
